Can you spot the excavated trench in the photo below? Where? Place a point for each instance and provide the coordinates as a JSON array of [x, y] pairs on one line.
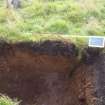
[[49, 73]]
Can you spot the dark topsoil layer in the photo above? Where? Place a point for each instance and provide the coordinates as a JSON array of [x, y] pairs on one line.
[[49, 73], [46, 47]]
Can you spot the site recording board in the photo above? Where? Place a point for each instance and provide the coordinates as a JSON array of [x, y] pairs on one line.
[[95, 41]]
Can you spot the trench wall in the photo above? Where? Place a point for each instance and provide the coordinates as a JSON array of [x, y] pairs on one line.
[[39, 73]]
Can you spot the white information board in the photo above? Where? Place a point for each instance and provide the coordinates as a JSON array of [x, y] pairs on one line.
[[95, 41]]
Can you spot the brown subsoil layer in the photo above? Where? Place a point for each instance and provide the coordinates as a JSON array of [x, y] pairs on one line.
[[39, 74]]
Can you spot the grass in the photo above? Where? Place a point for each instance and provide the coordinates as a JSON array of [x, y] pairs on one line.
[[57, 16], [54, 19], [5, 100]]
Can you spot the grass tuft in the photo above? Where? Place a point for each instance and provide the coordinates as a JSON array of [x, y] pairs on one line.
[[5, 100]]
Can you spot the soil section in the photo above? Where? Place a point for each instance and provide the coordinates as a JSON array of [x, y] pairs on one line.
[[38, 73]]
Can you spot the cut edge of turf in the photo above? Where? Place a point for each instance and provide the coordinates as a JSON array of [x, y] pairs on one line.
[[78, 40]]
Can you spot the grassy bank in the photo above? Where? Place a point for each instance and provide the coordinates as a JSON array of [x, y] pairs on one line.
[[39, 20], [72, 17]]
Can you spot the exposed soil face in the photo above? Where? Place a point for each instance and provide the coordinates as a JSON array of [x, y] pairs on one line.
[[99, 81], [38, 73]]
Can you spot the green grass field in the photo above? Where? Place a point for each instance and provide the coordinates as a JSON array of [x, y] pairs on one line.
[[36, 18]]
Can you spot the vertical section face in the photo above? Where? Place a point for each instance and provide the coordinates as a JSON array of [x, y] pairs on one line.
[[95, 82], [43, 78], [37, 79], [99, 72]]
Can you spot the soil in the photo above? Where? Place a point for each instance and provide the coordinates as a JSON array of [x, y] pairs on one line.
[[39, 74]]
